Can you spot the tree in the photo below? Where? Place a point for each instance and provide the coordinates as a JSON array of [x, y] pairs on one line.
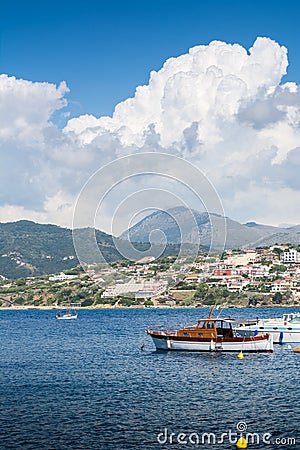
[[278, 251], [148, 303], [278, 268], [30, 298], [88, 302], [50, 301], [201, 291], [277, 298], [20, 300]]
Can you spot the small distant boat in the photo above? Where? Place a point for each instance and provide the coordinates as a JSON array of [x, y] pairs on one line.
[[66, 315], [285, 330], [209, 335]]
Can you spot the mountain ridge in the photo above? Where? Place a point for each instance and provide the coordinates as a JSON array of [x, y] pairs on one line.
[[238, 235], [28, 248]]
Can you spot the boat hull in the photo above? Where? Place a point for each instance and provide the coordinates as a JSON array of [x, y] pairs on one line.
[[280, 336], [248, 345], [284, 330], [67, 317]]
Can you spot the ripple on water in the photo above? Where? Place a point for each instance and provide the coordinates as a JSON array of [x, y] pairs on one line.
[[85, 384]]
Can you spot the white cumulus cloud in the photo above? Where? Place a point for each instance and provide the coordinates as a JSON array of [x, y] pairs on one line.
[[206, 85], [219, 106], [26, 108]]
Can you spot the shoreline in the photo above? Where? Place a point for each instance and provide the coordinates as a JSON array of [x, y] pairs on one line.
[[104, 307]]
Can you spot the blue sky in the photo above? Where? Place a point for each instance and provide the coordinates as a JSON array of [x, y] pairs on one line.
[[104, 49]]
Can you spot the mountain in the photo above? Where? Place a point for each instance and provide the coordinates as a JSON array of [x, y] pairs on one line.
[[264, 230], [289, 235], [28, 248], [238, 235]]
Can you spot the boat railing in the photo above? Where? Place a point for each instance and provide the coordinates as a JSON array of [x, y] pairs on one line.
[[162, 330]]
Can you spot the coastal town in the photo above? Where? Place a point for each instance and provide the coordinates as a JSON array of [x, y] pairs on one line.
[[256, 277]]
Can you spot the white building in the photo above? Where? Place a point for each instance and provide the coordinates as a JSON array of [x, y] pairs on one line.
[[282, 285], [291, 256], [242, 259], [152, 288], [62, 277]]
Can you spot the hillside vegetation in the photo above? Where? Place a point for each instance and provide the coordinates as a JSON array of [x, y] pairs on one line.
[[31, 249]]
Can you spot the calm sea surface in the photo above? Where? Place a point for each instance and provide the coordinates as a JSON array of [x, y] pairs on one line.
[[86, 384]]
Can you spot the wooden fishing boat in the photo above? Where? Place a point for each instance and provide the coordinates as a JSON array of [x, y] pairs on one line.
[[209, 335]]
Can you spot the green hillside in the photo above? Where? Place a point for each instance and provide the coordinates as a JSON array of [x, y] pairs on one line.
[[29, 249]]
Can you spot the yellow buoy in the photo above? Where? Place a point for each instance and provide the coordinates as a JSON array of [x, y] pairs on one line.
[[241, 443], [241, 356]]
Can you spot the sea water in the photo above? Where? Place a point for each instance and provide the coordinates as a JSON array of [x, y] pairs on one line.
[[86, 384]]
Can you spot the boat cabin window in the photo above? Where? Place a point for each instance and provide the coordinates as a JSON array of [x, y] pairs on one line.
[[224, 329], [295, 320], [200, 334], [225, 325], [201, 324], [185, 334]]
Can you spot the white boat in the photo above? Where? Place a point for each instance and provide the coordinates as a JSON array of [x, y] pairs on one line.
[[209, 335], [66, 315], [285, 330]]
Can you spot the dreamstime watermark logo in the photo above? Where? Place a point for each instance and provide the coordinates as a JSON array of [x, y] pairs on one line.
[[130, 188], [230, 436]]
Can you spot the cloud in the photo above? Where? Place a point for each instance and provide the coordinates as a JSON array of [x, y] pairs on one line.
[[57, 209], [219, 106], [205, 86], [26, 109]]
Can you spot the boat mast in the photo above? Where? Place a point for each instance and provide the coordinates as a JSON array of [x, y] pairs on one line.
[[211, 312]]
